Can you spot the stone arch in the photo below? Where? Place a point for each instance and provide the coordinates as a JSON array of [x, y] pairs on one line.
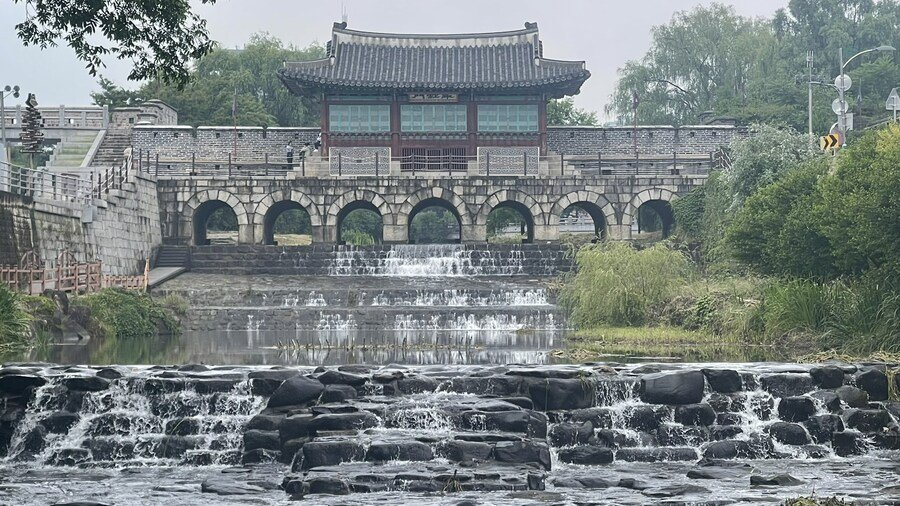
[[600, 205], [497, 198], [347, 198], [649, 195], [277, 196], [429, 194], [197, 203]]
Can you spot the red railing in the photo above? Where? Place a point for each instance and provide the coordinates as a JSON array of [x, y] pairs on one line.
[[32, 276]]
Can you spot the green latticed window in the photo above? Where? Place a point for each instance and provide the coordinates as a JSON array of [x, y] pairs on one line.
[[359, 118], [507, 118], [433, 118]]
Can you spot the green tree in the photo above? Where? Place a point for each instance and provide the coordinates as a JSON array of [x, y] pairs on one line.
[[161, 38], [563, 112], [434, 225], [244, 78]]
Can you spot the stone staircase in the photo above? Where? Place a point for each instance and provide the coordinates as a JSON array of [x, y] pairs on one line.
[[72, 151], [110, 152], [173, 256]]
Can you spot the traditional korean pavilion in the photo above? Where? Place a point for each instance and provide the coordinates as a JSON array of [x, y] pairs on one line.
[[434, 96]]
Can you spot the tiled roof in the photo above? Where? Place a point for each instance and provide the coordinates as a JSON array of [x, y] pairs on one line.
[[501, 61]]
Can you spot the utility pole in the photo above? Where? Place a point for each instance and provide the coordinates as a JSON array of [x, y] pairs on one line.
[[7, 90], [809, 66]]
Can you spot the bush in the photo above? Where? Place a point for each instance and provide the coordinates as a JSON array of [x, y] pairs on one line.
[[118, 313], [616, 284], [15, 322], [357, 238]]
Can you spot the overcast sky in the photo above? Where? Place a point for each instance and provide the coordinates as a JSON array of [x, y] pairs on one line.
[[604, 33]]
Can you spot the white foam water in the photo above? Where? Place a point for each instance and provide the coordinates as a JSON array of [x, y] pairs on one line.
[[425, 260]]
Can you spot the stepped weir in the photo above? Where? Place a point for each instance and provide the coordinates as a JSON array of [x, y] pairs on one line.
[[406, 373]]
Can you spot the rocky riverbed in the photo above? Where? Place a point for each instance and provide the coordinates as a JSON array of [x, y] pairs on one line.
[[595, 433]]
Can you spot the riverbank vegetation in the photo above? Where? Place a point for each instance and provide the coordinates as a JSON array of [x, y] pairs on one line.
[[785, 249]]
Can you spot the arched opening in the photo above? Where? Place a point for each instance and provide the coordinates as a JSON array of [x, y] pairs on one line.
[[360, 224], [510, 222], [215, 223], [434, 221], [583, 220], [653, 221], [287, 223]]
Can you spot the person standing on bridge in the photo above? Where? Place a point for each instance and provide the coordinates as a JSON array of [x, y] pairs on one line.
[[290, 155]]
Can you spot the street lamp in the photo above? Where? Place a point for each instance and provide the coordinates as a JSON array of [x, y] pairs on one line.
[[842, 79], [7, 90]]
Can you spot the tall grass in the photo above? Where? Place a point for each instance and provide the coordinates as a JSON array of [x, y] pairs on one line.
[[15, 323], [616, 284]]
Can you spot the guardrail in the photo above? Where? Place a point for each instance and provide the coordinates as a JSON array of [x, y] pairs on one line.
[[415, 165], [87, 117], [33, 276], [45, 184]]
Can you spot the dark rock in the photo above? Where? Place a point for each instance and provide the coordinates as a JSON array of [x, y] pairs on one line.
[[674, 490], [695, 414], [259, 456], [170, 447], [555, 394], [213, 385], [338, 393], [781, 480], [334, 377], [788, 433], [568, 434], [656, 454], [109, 449], [887, 440], [729, 419], [183, 426], [723, 380], [34, 441], [633, 484], [586, 455], [59, 422], [846, 443], [729, 449], [265, 422], [815, 451], [720, 403], [645, 418], [464, 451], [786, 384], [523, 452], [328, 485], [522, 402], [344, 421], [828, 376], [673, 387], [159, 386], [328, 453], [875, 383], [599, 417], [17, 384], [852, 396], [408, 450], [265, 382], [264, 439], [796, 409], [531, 423], [81, 503], [227, 486], [417, 385], [296, 391], [677, 435], [829, 400], [193, 368], [297, 426], [110, 424], [821, 427], [69, 457], [868, 420], [109, 373], [718, 433]]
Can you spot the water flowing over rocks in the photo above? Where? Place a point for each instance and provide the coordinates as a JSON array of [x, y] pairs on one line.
[[442, 429]]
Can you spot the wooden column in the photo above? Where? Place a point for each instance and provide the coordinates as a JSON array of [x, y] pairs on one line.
[[472, 125], [395, 125], [542, 124]]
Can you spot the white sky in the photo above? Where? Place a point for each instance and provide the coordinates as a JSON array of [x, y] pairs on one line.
[[604, 33]]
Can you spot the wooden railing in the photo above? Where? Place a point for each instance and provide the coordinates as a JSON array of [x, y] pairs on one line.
[[32, 276]]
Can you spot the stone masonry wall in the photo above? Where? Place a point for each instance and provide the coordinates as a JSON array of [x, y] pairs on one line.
[[652, 140], [252, 143], [124, 231]]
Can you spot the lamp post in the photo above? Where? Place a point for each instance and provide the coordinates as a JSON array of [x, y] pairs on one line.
[[7, 90], [839, 83]]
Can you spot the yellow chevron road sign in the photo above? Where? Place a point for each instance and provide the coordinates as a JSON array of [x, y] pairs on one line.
[[829, 141]]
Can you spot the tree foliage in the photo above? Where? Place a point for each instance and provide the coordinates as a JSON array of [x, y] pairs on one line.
[[434, 225], [564, 113], [710, 59], [244, 78], [161, 38]]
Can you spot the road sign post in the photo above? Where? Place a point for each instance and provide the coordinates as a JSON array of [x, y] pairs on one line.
[[893, 102]]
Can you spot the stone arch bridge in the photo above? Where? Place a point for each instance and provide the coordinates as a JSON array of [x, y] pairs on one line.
[[611, 200]]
